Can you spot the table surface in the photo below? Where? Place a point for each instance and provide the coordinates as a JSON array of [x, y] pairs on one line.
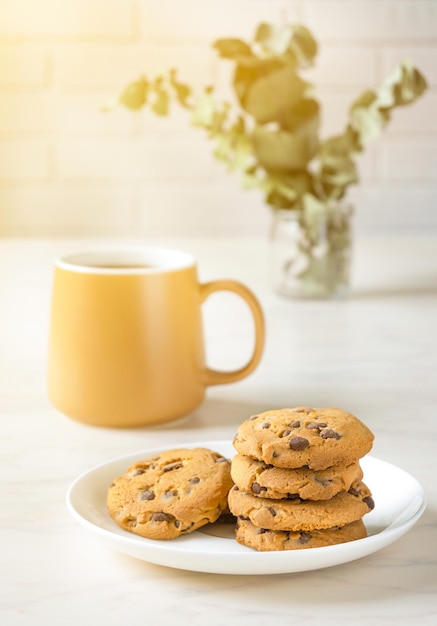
[[374, 354]]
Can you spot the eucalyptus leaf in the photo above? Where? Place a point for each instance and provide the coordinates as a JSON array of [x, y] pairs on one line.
[[303, 45], [220, 119], [272, 95], [204, 109], [273, 40], [286, 190], [160, 105], [303, 120], [232, 48], [183, 91], [340, 147], [313, 216], [278, 200], [367, 118], [281, 150], [306, 110], [344, 174], [134, 96], [403, 87], [235, 148], [246, 74]]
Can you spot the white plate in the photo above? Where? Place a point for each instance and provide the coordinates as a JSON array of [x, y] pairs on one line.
[[399, 500]]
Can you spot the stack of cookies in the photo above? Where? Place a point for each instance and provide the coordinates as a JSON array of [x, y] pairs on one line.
[[298, 480]]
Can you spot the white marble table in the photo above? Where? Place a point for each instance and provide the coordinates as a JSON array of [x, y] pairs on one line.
[[374, 354]]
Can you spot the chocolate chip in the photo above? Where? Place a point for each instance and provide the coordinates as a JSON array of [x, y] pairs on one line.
[[275, 454], [294, 424], [254, 417], [244, 518], [354, 492], [299, 443], [194, 480], [292, 496], [272, 511], [304, 538], [172, 466], [256, 488], [261, 531], [139, 471], [265, 425], [314, 425], [221, 459], [370, 502], [285, 432], [324, 483], [147, 494], [177, 523], [161, 517], [328, 433], [171, 494]]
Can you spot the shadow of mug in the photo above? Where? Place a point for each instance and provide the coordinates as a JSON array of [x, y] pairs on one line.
[[126, 345]]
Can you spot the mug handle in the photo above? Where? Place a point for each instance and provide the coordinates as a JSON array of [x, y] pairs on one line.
[[215, 377]]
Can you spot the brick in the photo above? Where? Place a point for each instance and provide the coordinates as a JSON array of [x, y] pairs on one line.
[[23, 160], [371, 20], [96, 65], [344, 66], [23, 65], [404, 208], [82, 112], [65, 211], [202, 210], [163, 157], [202, 19], [409, 160], [66, 18], [423, 57], [419, 117], [46, 112], [28, 112], [334, 108]]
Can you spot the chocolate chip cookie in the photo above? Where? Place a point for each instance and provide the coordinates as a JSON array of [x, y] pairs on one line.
[[268, 481], [265, 540], [297, 514], [171, 493], [302, 436]]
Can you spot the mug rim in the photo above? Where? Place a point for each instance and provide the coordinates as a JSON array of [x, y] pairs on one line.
[[146, 259]]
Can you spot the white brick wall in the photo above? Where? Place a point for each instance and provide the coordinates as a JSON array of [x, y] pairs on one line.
[[68, 169]]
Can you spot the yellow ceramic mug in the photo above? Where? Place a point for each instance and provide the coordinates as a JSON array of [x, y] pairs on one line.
[[126, 337]]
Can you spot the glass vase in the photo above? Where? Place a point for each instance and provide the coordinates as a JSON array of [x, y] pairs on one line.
[[310, 252]]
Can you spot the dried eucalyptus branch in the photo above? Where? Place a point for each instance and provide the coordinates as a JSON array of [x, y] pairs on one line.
[[271, 136]]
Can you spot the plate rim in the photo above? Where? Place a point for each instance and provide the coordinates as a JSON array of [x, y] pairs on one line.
[[129, 543]]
